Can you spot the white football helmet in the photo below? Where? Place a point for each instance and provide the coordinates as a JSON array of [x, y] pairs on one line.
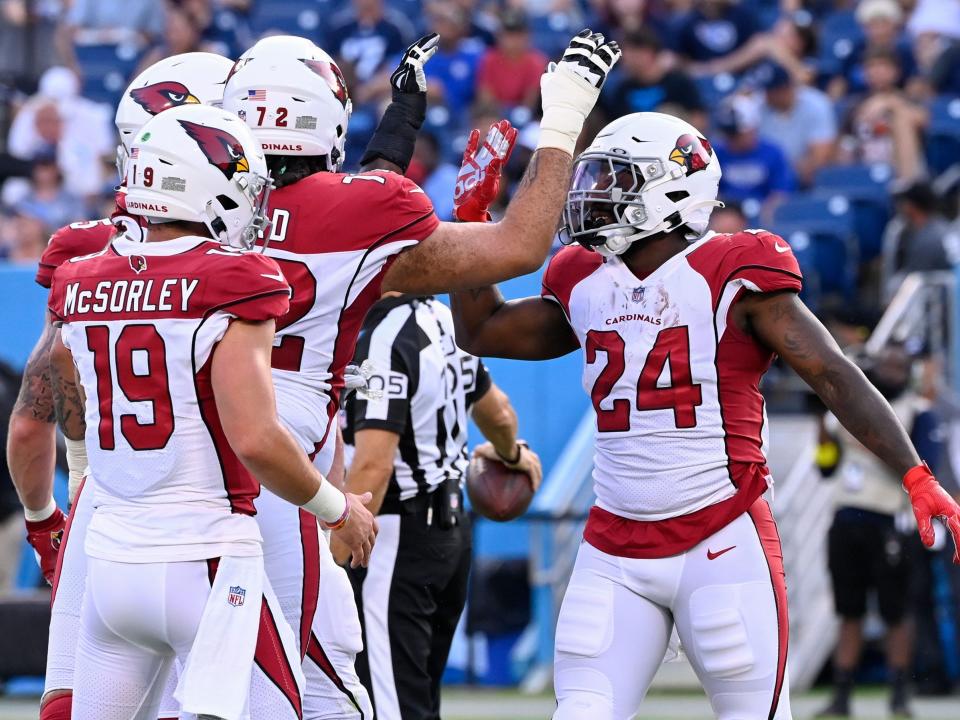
[[644, 174], [195, 78], [200, 164], [294, 98]]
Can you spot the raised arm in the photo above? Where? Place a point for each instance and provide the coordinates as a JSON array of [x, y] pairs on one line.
[[462, 256], [391, 146], [247, 408], [785, 325], [529, 329]]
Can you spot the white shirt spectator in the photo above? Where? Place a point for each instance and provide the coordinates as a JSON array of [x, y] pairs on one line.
[[809, 121]]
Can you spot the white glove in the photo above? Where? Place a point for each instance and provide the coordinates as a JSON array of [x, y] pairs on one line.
[[355, 377], [570, 89]]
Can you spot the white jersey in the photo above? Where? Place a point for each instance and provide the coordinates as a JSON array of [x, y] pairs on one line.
[[142, 321], [334, 236], [680, 443]]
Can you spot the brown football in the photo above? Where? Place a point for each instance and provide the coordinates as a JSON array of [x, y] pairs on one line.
[[496, 492]]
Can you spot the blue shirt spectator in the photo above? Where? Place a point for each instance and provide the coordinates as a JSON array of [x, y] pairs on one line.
[[714, 29], [453, 70], [367, 35]]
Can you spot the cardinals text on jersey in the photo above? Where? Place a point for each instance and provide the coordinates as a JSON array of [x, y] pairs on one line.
[[680, 418]]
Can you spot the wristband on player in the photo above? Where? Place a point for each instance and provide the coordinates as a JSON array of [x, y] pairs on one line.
[[397, 132], [341, 521], [507, 461], [329, 504], [38, 516]]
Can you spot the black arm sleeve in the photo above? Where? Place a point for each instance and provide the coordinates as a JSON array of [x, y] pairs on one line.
[[396, 134]]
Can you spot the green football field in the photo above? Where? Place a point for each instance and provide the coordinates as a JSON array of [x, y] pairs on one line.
[[507, 705]]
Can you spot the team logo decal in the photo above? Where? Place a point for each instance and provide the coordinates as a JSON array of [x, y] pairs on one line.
[[236, 596], [222, 149], [138, 263], [638, 293], [162, 96], [331, 73], [692, 153], [236, 66]]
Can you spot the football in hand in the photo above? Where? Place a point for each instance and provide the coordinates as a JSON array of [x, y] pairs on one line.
[[496, 492]]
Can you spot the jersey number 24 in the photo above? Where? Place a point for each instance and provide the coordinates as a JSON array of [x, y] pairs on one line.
[[682, 395]]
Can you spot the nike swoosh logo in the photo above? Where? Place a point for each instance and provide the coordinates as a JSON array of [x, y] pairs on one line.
[[278, 277], [781, 248], [715, 555]]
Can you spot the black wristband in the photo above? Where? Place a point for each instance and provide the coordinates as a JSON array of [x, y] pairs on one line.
[[397, 132], [520, 445]]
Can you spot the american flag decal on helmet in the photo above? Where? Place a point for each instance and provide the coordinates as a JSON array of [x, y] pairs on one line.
[[236, 596], [258, 95]]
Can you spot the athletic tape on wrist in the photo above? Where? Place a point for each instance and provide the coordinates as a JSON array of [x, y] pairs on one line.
[[329, 504]]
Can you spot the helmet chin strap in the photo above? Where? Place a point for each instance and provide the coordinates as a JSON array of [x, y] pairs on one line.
[[617, 241]]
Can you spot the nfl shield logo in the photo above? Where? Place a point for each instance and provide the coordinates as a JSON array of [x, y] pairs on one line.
[[236, 595], [638, 294]]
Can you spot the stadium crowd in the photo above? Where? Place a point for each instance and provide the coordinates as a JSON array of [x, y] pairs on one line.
[[837, 122]]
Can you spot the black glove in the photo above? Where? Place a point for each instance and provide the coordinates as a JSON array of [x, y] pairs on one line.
[[397, 132]]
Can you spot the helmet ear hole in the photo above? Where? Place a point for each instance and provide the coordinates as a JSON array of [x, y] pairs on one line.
[[227, 202], [677, 195]]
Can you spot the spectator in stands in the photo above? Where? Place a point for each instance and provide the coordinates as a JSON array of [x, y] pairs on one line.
[[935, 28], [882, 24], [109, 22], [183, 34], [630, 15], [509, 74], [713, 29], [22, 238], [728, 219], [364, 38], [754, 170], [800, 120], [47, 200], [58, 122], [645, 81], [27, 30], [452, 72], [883, 126], [436, 176], [867, 553], [790, 43], [918, 238]]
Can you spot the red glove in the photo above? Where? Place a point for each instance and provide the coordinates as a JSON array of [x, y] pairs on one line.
[[45, 537], [929, 500], [478, 182]]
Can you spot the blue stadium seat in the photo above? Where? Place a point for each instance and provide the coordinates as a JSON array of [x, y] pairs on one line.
[[943, 133], [867, 189], [827, 227], [106, 69]]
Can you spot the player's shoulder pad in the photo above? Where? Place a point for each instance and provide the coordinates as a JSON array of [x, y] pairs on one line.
[[567, 268], [75, 240], [247, 283], [763, 260]]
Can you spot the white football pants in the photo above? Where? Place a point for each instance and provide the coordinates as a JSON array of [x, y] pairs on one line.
[[727, 598]]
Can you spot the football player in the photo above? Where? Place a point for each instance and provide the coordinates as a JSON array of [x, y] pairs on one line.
[[157, 332], [677, 328], [185, 79], [342, 240]]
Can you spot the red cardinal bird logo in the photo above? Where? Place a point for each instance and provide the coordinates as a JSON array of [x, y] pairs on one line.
[[331, 73], [222, 149], [692, 152], [138, 263], [162, 96]]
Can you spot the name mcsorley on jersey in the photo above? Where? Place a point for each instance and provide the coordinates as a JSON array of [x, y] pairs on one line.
[[130, 296]]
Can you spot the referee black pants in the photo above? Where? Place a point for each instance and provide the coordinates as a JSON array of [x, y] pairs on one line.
[[410, 600]]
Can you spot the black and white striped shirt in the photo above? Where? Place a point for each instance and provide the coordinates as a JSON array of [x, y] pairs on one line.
[[428, 385]]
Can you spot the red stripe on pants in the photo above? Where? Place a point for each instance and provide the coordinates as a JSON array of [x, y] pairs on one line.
[[272, 660], [770, 541], [63, 544], [318, 655], [310, 544]]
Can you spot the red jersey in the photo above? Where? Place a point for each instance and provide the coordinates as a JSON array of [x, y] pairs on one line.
[[142, 321], [681, 424], [334, 237]]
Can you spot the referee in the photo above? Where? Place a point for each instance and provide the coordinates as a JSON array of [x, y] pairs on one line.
[[409, 434]]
